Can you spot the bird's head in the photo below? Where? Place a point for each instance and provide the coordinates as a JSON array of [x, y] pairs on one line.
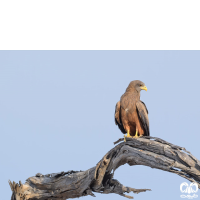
[[137, 85]]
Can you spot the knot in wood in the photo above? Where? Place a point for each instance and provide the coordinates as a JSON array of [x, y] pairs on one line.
[[105, 161], [125, 151], [38, 175]]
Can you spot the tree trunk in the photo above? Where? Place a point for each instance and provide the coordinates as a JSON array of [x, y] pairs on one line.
[[148, 151]]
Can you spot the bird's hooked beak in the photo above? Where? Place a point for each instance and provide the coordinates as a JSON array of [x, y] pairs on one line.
[[143, 88]]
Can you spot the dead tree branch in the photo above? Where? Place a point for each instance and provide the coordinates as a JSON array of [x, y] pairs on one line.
[[148, 151]]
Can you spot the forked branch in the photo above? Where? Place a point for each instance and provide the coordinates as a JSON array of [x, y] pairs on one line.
[[148, 151]]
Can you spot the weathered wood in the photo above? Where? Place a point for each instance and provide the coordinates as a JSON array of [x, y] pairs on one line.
[[148, 151]]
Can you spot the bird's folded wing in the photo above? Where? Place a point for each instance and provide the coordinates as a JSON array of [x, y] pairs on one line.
[[144, 106], [143, 116], [118, 120], [117, 113]]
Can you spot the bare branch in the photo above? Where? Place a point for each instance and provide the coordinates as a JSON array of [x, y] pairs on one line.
[[148, 151]]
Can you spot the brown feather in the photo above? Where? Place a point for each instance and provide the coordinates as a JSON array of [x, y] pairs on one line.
[[131, 114], [143, 116], [118, 117]]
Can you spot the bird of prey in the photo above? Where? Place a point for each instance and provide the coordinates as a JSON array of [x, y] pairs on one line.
[[131, 114]]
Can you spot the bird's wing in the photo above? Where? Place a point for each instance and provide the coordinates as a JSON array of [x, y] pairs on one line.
[[143, 116], [118, 117], [145, 107]]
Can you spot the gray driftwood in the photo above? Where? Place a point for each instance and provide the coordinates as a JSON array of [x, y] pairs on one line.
[[148, 151]]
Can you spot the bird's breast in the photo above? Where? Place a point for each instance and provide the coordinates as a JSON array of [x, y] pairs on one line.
[[129, 110], [126, 110], [128, 102]]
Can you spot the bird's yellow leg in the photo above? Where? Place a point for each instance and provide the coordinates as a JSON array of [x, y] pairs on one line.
[[128, 135], [136, 134]]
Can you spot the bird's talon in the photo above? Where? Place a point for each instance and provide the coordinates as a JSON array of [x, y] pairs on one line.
[[124, 138]]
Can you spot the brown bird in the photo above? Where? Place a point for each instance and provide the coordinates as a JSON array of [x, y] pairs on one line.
[[131, 114]]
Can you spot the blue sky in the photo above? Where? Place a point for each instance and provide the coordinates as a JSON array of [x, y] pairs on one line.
[[57, 112]]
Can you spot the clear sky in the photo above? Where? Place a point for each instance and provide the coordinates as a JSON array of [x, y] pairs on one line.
[[57, 112]]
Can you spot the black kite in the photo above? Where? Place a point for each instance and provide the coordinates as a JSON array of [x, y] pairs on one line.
[[131, 114]]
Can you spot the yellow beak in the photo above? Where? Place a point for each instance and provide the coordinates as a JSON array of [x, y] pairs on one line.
[[143, 88]]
